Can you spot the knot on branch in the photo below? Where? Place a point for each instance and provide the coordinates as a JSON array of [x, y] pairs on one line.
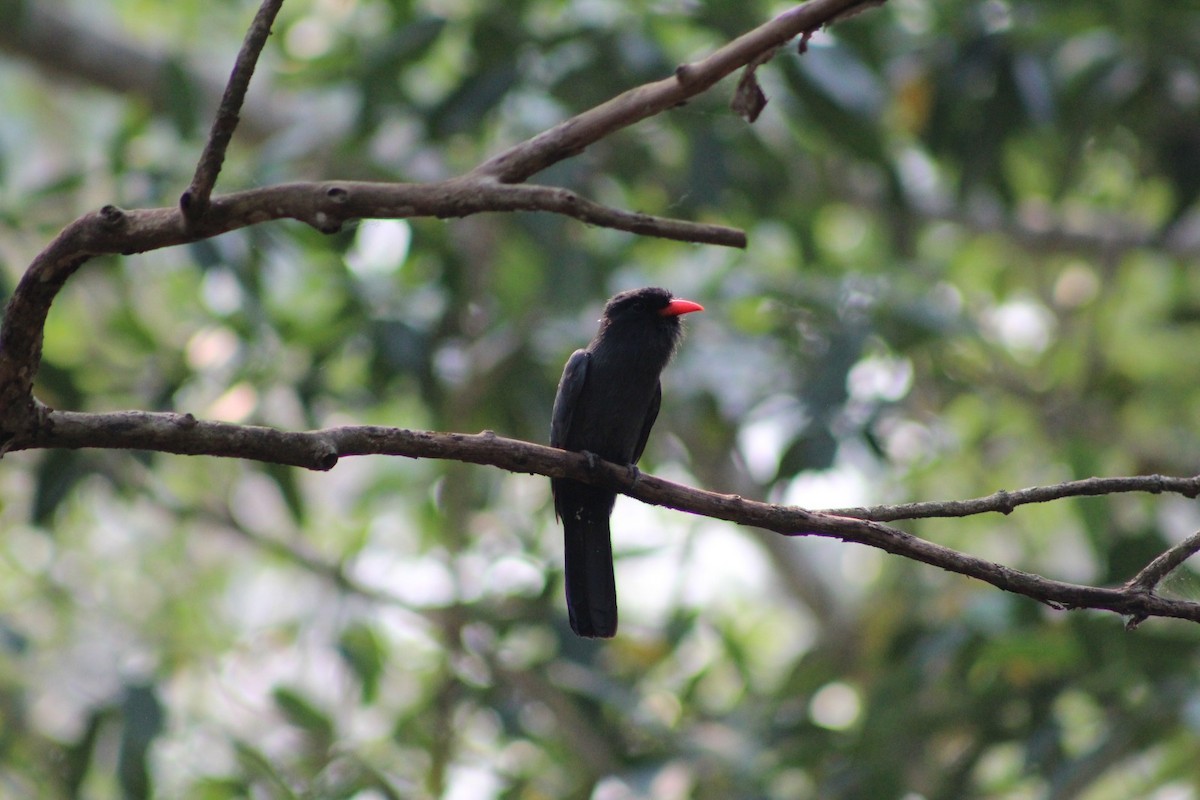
[[330, 222], [112, 218], [326, 460], [1135, 620], [193, 206]]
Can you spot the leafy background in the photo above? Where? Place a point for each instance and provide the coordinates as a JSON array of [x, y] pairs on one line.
[[972, 266]]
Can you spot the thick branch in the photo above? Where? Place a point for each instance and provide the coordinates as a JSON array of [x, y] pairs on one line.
[[181, 433], [325, 206]]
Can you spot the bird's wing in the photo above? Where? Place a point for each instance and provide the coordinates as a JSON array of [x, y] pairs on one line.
[[573, 377], [651, 415]]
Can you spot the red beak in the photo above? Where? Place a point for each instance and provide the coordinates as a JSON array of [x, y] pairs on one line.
[[677, 307]]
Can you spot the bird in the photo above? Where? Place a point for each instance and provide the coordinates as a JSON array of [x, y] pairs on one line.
[[607, 401]]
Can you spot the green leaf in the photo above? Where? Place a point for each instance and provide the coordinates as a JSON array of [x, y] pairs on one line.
[[364, 651], [57, 476], [285, 478], [143, 717], [180, 97], [301, 712]]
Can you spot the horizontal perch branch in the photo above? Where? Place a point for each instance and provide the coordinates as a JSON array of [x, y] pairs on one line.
[[325, 205], [321, 450]]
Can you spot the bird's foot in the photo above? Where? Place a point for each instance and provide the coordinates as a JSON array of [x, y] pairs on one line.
[[593, 461], [635, 475]]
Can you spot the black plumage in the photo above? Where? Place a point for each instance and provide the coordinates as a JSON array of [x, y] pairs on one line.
[[607, 401]]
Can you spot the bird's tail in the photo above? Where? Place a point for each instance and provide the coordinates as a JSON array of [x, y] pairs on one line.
[[591, 586]]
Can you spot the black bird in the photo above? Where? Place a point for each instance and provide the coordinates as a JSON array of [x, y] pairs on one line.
[[607, 402]]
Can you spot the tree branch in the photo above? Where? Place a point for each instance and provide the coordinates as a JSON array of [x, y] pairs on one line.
[[325, 206], [321, 450], [194, 201], [572, 136], [1154, 572], [1004, 502]]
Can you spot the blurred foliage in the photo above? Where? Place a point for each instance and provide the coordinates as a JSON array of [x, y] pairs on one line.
[[972, 267]]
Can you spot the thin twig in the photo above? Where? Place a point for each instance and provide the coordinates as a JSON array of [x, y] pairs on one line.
[[194, 201], [1004, 502], [1154, 572]]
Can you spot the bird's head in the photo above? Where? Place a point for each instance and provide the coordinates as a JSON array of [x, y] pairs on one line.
[[649, 305], [644, 325]]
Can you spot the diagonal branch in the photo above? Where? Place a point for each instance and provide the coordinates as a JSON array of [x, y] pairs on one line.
[[1158, 569], [194, 201], [573, 136], [321, 450]]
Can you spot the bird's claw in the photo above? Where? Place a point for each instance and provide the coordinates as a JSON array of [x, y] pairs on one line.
[[592, 462], [635, 475]]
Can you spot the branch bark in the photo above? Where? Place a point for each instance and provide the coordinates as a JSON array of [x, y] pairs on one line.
[[322, 449], [194, 202], [1004, 502], [575, 134]]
